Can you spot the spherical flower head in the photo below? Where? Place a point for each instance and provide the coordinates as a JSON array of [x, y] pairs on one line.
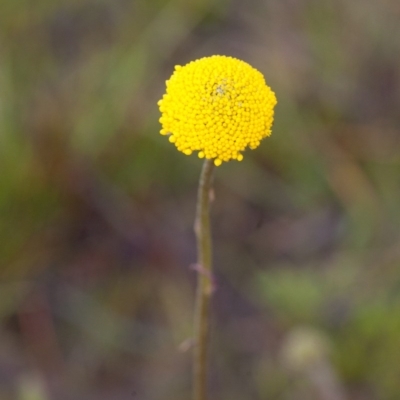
[[217, 106]]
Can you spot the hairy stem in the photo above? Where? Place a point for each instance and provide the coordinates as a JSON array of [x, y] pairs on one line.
[[204, 284]]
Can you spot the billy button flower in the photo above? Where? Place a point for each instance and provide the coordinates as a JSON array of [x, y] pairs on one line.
[[217, 106]]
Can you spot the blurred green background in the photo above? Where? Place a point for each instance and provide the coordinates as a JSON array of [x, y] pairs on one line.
[[96, 208]]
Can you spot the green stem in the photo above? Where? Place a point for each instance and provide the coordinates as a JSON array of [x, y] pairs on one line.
[[204, 283]]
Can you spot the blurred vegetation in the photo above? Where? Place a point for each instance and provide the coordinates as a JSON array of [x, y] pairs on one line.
[[96, 209]]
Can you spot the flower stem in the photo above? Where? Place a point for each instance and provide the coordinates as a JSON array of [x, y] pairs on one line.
[[204, 283]]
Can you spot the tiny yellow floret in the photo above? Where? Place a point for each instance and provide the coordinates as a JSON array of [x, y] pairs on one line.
[[217, 106]]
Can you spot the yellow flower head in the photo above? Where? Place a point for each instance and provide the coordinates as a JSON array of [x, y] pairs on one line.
[[217, 106]]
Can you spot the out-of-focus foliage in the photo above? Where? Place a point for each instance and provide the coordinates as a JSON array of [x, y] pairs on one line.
[[96, 209]]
